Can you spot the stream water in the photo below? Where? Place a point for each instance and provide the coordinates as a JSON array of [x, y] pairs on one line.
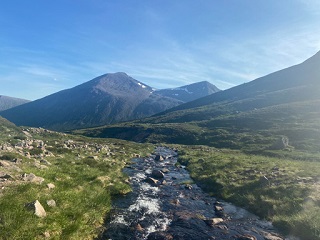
[[168, 206]]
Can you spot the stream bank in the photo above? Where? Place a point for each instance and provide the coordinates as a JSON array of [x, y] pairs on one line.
[[166, 204]]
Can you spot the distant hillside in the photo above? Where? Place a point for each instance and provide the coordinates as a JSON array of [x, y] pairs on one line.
[[110, 98], [10, 102], [190, 92], [252, 115]]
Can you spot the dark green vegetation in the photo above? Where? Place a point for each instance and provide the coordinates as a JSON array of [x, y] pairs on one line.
[[87, 174], [10, 102], [283, 190]]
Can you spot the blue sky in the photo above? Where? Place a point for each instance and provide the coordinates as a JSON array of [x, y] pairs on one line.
[[47, 46]]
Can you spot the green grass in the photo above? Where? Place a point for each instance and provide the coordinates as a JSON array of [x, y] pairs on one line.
[[291, 199], [85, 188]]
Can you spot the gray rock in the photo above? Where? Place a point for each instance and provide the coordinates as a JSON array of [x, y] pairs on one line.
[[37, 208], [51, 203], [32, 178], [51, 186], [151, 180], [213, 221], [159, 158], [165, 170]]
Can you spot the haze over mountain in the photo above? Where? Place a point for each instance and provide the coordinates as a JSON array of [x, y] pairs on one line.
[[10, 102], [190, 92], [107, 99], [282, 103]]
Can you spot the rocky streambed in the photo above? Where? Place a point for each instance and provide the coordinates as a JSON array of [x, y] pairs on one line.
[[165, 204]]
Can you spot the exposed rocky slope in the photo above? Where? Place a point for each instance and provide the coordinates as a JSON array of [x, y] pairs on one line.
[[10, 102]]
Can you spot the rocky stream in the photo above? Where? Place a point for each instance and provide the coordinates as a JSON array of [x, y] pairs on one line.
[[165, 204]]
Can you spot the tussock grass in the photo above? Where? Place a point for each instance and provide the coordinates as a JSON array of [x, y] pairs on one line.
[[290, 198]]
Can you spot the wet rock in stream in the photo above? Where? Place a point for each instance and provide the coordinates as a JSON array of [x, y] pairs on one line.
[[167, 208]]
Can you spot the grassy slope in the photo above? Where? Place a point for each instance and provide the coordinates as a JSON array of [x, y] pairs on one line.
[[292, 204], [85, 186], [290, 198]]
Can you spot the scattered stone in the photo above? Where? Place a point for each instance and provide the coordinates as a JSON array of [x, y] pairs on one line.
[[218, 208], [46, 235], [213, 221], [51, 186], [271, 236], [4, 163], [32, 178], [151, 180], [139, 228], [165, 170], [51, 203], [157, 174], [176, 201], [159, 158], [188, 186], [37, 208], [45, 162], [17, 160]]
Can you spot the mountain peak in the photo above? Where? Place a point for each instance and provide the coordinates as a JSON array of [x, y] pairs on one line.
[[190, 92]]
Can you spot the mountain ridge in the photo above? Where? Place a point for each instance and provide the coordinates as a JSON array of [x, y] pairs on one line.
[[250, 116], [109, 98], [7, 102]]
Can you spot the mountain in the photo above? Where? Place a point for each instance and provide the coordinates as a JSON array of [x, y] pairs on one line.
[[10, 102], [251, 116], [106, 99], [190, 92]]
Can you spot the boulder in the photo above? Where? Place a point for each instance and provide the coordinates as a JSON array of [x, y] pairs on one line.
[[151, 180], [159, 157], [213, 221], [32, 178], [157, 174], [37, 208], [165, 170]]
